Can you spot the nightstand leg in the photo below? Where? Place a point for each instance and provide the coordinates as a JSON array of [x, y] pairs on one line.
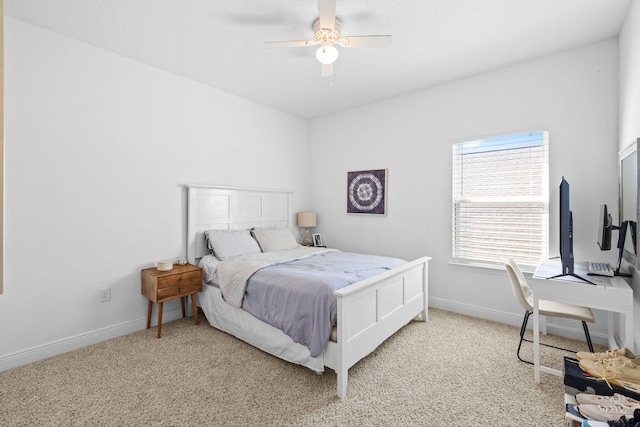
[[195, 309], [159, 317], [182, 304], [149, 314]]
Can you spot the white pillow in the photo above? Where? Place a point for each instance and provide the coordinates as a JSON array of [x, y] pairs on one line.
[[274, 239], [228, 243]]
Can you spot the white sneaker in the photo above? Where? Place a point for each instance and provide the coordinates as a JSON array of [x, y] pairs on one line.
[[616, 399], [605, 412]]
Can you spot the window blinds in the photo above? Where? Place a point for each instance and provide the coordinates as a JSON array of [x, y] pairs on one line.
[[501, 199]]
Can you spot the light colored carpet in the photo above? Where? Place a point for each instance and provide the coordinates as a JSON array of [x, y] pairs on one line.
[[454, 370]]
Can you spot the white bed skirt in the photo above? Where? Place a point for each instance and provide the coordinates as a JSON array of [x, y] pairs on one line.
[[244, 326]]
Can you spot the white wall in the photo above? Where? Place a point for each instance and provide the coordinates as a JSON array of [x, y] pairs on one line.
[[629, 104], [573, 94], [98, 148]]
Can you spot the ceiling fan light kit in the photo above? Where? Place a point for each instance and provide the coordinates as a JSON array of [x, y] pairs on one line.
[[326, 32], [327, 54]]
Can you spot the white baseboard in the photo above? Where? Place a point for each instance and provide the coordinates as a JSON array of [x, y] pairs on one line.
[[576, 333], [54, 348]]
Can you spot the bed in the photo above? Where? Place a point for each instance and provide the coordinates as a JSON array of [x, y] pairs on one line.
[[368, 311]]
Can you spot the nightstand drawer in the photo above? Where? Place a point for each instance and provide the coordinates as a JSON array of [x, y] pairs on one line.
[[191, 288], [180, 280], [178, 289], [165, 293]]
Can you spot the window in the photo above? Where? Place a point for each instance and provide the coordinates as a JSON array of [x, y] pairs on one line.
[[501, 199]]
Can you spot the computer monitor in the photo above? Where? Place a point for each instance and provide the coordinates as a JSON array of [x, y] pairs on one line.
[[634, 237], [622, 235], [566, 229], [566, 234], [604, 229]]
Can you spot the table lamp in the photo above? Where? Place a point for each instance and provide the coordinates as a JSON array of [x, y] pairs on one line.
[[306, 220]]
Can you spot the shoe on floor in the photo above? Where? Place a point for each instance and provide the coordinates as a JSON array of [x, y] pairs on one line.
[[605, 412], [596, 399], [617, 370], [605, 355], [621, 422]]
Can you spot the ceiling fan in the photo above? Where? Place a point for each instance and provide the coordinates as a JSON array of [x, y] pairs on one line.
[[327, 32]]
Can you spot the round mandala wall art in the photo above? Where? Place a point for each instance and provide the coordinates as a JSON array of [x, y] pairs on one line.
[[367, 192]]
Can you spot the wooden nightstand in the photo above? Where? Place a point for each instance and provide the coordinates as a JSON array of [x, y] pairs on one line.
[[161, 286]]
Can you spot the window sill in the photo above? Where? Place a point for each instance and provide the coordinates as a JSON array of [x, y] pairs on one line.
[[487, 267]]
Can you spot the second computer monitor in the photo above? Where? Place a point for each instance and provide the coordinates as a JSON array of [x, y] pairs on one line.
[[604, 229]]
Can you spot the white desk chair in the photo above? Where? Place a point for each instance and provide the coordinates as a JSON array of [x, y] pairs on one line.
[[524, 296]]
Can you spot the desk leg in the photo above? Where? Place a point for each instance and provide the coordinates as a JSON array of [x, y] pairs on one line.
[[611, 321], [628, 330], [536, 340], [182, 304]]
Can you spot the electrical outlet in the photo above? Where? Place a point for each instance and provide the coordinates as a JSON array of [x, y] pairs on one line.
[[105, 295]]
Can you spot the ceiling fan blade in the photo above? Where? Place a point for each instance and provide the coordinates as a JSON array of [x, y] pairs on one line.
[[292, 43], [366, 41], [326, 70], [327, 13]]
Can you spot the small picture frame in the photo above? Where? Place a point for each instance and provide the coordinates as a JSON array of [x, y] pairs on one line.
[[317, 240]]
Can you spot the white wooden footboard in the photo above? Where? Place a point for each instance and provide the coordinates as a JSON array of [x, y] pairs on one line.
[[372, 310]]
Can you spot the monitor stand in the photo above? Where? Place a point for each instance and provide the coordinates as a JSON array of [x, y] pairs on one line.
[[573, 275], [617, 272], [622, 236]]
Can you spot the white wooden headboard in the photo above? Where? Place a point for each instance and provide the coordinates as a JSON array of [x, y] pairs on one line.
[[212, 207]]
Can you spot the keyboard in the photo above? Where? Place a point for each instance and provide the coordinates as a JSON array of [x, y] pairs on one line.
[[600, 269]]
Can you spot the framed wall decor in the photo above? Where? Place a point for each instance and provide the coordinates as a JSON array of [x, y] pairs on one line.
[[367, 192]]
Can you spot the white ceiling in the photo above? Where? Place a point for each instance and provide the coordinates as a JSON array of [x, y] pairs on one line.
[[220, 42]]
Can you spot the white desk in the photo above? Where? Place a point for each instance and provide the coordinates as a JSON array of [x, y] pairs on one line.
[[613, 295]]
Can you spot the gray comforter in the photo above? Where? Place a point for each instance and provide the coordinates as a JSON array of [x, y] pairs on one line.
[[297, 296]]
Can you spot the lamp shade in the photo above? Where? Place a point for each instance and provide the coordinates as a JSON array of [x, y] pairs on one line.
[[306, 219]]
